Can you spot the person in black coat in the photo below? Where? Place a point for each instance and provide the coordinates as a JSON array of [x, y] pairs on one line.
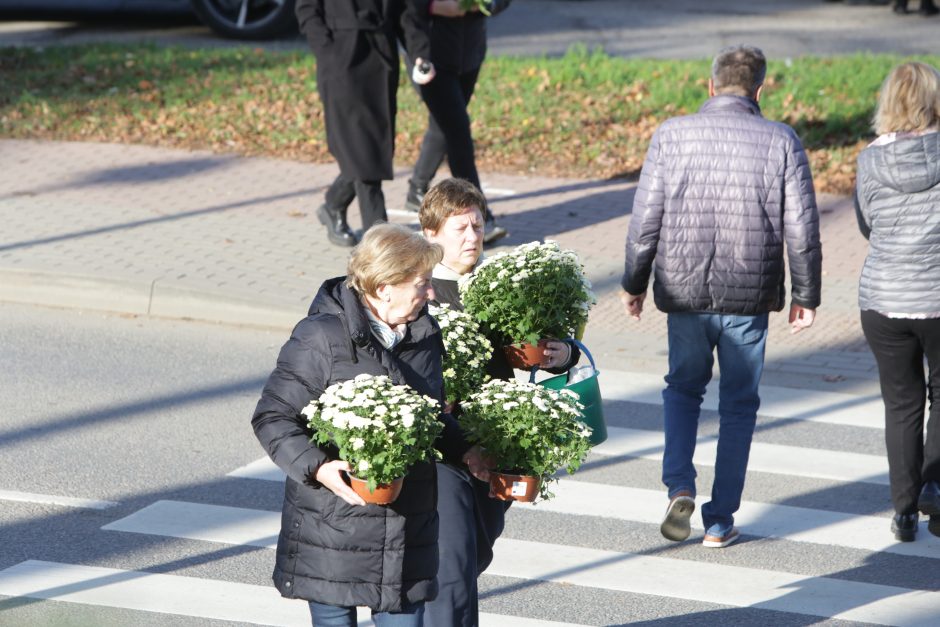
[[333, 550], [471, 520], [458, 47], [356, 46]]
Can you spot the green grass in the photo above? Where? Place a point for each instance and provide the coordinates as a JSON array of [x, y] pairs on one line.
[[585, 114]]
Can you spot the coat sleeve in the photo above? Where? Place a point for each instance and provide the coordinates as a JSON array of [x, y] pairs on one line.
[[801, 228], [301, 375], [415, 24], [645, 222], [862, 211], [498, 6], [311, 17]]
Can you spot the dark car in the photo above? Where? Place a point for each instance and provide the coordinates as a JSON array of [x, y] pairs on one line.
[[238, 19]]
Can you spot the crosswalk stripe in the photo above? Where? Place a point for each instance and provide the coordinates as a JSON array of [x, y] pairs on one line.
[[773, 458], [778, 402], [152, 592], [727, 585], [793, 461], [798, 524], [175, 594], [712, 583], [54, 499], [251, 527]]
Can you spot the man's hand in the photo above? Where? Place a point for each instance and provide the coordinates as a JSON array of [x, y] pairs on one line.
[[633, 303], [477, 463], [800, 318], [330, 476]]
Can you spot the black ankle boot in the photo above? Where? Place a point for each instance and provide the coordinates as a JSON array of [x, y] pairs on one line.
[[927, 7], [929, 500], [900, 6], [416, 192], [904, 527], [337, 231]]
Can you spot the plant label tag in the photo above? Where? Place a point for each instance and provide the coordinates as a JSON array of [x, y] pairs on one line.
[[518, 488]]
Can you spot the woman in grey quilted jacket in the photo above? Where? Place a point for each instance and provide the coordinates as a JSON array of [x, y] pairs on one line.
[[898, 208]]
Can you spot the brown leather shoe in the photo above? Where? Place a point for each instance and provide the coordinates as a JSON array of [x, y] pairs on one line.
[[676, 525], [719, 542]]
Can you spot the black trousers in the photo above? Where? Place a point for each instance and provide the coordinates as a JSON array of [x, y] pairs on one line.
[[900, 346], [371, 199], [448, 134], [470, 522]]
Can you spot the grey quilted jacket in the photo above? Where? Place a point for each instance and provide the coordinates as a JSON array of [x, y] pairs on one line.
[[898, 200], [720, 193]]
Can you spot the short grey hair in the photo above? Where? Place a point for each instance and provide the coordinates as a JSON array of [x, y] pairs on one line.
[[739, 70]]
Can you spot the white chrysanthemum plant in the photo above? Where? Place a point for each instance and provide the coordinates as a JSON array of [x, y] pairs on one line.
[[534, 291], [527, 429], [381, 429], [466, 352]]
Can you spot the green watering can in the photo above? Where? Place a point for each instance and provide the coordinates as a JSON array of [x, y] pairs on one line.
[[590, 396]]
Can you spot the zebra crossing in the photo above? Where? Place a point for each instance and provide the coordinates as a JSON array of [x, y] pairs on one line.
[[598, 538]]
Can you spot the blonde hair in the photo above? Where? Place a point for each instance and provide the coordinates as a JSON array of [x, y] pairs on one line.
[[389, 254], [909, 99], [448, 198]]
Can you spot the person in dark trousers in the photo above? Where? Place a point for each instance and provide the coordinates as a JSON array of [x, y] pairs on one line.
[[458, 47], [897, 200], [927, 7], [725, 200], [356, 46], [333, 550], [452, 216]]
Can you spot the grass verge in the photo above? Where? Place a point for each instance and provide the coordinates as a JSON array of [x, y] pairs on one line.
[[581, 115]]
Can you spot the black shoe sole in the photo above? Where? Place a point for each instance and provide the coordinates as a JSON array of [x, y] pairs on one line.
[[904, 535]]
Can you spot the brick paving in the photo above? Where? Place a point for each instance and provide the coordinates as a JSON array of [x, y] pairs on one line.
[[153, 231]]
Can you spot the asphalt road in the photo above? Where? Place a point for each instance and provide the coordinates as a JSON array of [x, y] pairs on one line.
[[636, 28], [141, 411]]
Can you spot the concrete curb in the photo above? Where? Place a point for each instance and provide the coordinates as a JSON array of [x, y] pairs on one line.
[[139, 297]]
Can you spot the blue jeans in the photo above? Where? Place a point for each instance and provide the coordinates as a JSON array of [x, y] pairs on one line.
[[693, 338], [411, 615]]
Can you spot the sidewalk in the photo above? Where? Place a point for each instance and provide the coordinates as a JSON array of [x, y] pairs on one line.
[[221, 238]]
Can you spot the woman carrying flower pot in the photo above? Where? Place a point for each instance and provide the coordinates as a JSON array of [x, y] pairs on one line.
[[452, 216], [333, 550]]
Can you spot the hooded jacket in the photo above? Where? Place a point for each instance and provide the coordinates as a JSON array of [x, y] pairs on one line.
[[898, 202], [720, 193], [329, 551]]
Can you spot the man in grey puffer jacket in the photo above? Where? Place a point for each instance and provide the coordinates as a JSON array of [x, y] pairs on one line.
[[720, 192]]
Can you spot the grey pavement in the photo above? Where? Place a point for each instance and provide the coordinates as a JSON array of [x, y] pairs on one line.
[[641, 28], [228, 239]]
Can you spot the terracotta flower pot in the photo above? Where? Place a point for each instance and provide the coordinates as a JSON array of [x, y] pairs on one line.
[[509, 487], [384, 494], [523, 356]]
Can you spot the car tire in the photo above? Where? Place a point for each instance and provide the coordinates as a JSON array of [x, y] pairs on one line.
[[263, 19]]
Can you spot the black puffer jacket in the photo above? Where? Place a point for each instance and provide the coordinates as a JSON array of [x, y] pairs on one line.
[[720, 193], [898, 199], [329, 551]]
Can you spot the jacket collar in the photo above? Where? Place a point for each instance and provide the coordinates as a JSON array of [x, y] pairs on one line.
[[726, 102]]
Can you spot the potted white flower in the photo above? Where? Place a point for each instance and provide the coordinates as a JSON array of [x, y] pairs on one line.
[[466, 352], [381, 429], [529, 431], [534, 291]]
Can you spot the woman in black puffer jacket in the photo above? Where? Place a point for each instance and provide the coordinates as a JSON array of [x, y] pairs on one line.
[[898, 205], [333, 550]]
